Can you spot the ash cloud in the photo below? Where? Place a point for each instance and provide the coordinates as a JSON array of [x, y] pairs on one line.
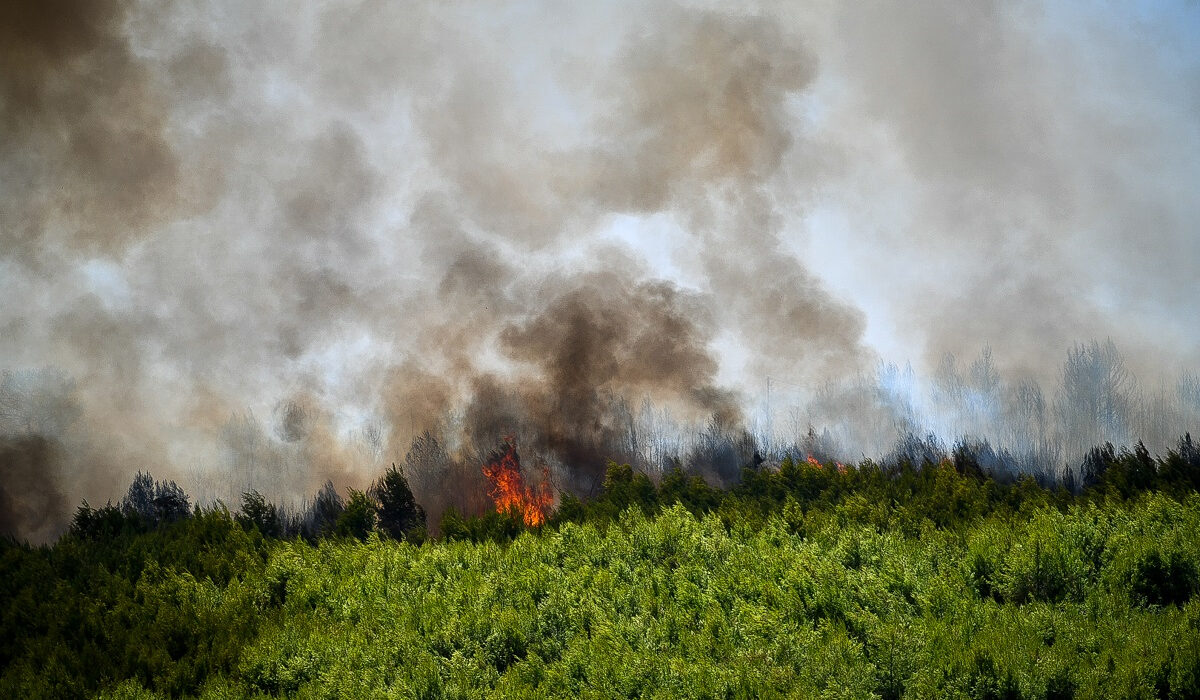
[[262, 249]]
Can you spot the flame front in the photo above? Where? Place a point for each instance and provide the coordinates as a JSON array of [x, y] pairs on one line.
[[817, 463], [509, 490]]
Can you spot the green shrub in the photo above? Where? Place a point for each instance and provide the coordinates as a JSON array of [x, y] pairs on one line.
[[1163, 579]]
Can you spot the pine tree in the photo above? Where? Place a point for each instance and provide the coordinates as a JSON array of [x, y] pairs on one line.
[[398, 512]]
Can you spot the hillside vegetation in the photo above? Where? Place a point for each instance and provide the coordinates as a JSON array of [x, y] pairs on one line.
[[927, 580]]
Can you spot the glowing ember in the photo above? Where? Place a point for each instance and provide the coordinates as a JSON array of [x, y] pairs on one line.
[[509, 490]]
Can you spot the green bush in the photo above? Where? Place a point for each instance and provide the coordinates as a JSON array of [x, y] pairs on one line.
[[1163, 579]]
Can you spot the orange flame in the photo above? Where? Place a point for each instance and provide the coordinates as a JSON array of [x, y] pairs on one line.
[[817, 463], [509, 490]]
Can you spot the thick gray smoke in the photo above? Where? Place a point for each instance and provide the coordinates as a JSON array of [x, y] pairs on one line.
[[246, 246]]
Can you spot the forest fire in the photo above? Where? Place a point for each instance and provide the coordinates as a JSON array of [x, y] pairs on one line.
[[509, 490], [817, 463]]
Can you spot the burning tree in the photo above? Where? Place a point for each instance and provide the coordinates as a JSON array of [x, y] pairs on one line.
[[508, 489]]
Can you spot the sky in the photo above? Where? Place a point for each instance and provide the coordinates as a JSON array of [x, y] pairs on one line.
[[375, 215]]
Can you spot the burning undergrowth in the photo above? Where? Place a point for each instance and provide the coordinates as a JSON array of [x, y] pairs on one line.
[[510, 490]]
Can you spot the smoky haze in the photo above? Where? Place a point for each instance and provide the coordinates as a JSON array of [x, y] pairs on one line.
[[244, 246]]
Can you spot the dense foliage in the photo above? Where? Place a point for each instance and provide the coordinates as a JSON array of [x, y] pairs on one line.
[[928, 579]]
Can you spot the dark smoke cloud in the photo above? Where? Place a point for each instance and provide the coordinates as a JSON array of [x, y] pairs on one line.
[[38, 412], [603, 340], [602, 335], [30, 499], [273, 248], [87, 161]]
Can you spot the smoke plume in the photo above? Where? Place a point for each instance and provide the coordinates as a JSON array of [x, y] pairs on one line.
[[243, 247]]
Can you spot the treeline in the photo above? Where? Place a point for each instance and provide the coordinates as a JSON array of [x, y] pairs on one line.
[[387, 507], [919, 481]]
